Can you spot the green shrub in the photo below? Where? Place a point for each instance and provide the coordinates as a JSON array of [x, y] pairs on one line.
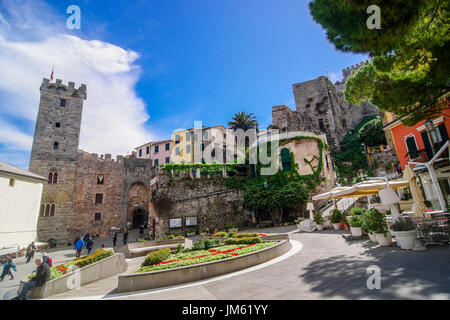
[[216, 242], [207, 244], [180, 247], [403, 224], [221, 234], [357, 211], [246, 235], [318, 219], [98, 255], [373, 221], [336, 216], [198, 245], [354, 221], [156, 257], [249, 240]]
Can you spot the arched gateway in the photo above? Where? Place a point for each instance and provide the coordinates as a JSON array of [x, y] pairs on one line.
[[137, 205]]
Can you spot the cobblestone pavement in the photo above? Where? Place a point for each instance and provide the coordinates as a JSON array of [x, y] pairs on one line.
[[327, 267]]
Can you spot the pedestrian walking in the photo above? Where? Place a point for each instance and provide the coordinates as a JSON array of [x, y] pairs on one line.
[[79, 245], [31, 249], [86, 237], [7, 266], [114, 239], [47, 259], [41, 277], [125, 236], [141, 229], [89, 245]]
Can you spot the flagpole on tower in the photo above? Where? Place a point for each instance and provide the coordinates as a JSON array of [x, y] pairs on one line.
[[53, 70]]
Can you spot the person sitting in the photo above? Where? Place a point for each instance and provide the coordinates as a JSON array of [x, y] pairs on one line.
[[41, 277]]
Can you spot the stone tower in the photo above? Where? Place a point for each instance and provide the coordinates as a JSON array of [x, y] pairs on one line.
[[54, 154]]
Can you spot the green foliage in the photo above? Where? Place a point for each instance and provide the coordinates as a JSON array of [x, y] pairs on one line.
[[336, 216], [246, 235], [248, 240], [403, 224], [409, 69], [353, 151], [243, 120], [221, 234], [354, 221], [213, 167], [357, 211], [318, 218], [98, 255], [372, 133], [372, 221], [156, 257]]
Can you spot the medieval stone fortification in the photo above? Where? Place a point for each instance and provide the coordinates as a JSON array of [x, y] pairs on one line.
[[321, 108]]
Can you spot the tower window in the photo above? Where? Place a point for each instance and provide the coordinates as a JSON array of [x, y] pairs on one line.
[[62, 103], [57, 125], [100, 179], [321, 125], [53, 177], [41, 212], [99, 198], [55, 145], [12, 182], [98, 216], [47, 210], [52, 210]]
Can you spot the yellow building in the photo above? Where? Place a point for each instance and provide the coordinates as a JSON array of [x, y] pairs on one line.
[[213, 138]]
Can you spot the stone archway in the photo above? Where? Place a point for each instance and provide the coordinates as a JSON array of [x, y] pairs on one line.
[[137, 205]]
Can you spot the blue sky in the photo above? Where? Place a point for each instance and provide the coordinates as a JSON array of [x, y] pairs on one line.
[[168, 63]]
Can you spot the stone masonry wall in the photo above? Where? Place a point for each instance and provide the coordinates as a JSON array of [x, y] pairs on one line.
[[215, 206]]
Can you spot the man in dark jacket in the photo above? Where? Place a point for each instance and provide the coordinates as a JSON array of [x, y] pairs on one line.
[[41, 277]]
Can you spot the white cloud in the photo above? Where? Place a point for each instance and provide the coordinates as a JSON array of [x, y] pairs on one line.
[[113, 115], [334, 77]]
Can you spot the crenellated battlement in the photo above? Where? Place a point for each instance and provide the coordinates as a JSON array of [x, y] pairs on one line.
[[58, 88], [348, 71]]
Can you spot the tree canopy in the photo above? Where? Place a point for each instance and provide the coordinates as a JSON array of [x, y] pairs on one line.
[[409, 69], [243, 120]]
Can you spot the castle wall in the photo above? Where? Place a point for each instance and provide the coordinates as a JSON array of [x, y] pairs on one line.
[[214, 205]]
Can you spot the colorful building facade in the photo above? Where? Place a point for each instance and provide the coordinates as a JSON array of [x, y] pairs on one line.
[[159, 152]]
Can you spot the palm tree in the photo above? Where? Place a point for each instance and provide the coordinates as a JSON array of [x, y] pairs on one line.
[[243, 120]]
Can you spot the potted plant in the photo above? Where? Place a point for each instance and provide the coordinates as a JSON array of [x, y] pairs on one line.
[[366, 225], [379, 227], [318, 219], [405, 232], [355, 225], [336, 217]]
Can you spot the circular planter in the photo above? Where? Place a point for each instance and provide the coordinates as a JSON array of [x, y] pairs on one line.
[[384, 240], [372, 237], [406, 239], [336, 226], [320, 227], [356, 231]]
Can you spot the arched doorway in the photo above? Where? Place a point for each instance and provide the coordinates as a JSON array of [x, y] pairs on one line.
[[139, 217], [137, 205]]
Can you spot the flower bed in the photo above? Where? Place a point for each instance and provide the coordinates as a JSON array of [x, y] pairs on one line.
[[62, 269], [181, 259]]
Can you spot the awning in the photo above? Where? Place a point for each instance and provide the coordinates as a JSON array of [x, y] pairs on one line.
[[361, 189]]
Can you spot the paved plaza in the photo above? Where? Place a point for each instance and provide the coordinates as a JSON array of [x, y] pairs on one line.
[[325, 267]]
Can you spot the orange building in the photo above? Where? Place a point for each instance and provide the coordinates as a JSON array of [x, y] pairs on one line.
[[413, 143]]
